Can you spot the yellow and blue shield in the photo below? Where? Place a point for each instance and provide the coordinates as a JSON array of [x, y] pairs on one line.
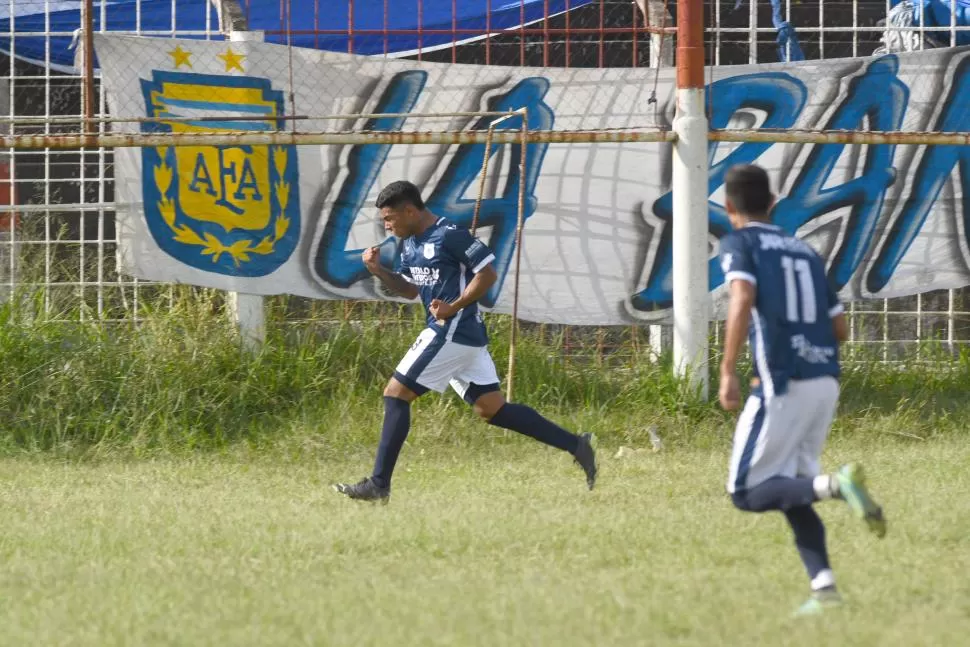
[[232, 210]]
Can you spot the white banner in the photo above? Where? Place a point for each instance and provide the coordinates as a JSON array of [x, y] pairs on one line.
[[890, 220]]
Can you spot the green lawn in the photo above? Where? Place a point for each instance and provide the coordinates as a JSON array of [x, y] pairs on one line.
[[496, 544]]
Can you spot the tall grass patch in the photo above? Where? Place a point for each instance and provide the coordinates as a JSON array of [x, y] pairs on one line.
[[179, 380]]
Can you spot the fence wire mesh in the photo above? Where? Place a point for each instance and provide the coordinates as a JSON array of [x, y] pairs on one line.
[[58, 206]]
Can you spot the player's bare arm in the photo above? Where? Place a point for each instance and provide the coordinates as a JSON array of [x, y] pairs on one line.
[[394, 282], [742, 296], [476, 289], [840, 327]]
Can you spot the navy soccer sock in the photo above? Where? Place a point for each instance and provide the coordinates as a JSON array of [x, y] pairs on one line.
[[779, 493], [527, 421], [810, 541], [397, 423]]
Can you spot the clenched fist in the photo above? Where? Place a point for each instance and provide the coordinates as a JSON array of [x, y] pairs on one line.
[[442, 311], [372, 259]]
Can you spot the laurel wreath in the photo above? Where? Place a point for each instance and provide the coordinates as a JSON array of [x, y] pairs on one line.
[[241, 250]]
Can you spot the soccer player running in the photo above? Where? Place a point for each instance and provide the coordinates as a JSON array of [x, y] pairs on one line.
[[781, 299], [450, 270]]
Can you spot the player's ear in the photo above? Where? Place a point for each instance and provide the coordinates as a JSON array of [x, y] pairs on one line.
[[733, 216]]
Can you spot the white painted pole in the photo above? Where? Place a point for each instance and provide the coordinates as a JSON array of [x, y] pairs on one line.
[[655, 14], [690, 221], [753, 32], [248, 310]]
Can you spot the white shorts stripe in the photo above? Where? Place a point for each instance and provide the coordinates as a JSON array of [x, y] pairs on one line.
[[425, 348], [761, 355], [433, 362]]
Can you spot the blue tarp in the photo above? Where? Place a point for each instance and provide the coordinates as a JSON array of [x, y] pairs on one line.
[[30, 23], [936, 13]]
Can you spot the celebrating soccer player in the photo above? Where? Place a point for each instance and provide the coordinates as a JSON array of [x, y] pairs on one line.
[[778, 290], [450, 270]]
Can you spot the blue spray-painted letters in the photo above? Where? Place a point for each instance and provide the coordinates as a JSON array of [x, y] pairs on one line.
[[342, 267], [879, 96], [335, 263], [500, 213], [933, 171], [782, 97]]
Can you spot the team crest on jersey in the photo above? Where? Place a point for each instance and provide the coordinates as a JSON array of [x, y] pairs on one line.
[[232, 210], [429, 250]]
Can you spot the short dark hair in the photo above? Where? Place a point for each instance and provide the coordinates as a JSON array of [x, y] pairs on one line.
[[397, 194], [748, 188]]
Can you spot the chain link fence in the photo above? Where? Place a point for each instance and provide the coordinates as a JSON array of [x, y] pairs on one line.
[[58, 208]]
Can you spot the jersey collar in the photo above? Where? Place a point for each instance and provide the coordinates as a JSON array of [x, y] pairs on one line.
[[762, 225], [430, 230]]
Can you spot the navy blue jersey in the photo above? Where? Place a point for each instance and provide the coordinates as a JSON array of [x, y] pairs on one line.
[[791, 332], [440, 262]]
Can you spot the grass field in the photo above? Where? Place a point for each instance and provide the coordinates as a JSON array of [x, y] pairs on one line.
[[160, 487], [497, 543]]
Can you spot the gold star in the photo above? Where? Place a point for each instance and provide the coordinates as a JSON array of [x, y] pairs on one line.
[[232, 60], [180, 57]]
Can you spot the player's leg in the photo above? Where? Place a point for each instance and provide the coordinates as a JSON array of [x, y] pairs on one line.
[[426, 366], [394, 431], [848, 483], [478, 385], [809, 534], [764, 457], [818, 400], [778, 446], [763, 467]]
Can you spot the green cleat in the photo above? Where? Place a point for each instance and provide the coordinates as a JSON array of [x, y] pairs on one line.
[[852, 488], [820, 602]]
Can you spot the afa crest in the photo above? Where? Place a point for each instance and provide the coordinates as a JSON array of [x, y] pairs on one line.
[[233, 210]]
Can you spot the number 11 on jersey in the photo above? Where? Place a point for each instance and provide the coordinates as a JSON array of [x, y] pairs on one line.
[[799, 287]]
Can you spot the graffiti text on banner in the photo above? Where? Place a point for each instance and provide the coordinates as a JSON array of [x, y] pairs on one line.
[[889, 220]]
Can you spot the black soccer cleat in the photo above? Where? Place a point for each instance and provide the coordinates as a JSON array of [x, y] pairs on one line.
[[365, 490], [586, 457]]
